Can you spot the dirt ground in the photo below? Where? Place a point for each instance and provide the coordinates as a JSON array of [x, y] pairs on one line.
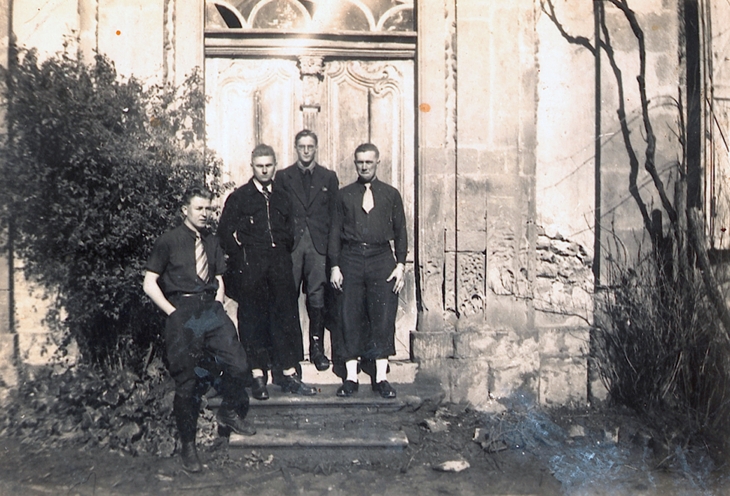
[[521, 452]]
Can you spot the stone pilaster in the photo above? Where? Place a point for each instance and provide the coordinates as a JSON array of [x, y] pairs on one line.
[[311, 70]]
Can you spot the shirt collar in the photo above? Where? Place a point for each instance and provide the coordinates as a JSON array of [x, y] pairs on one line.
[[259, 186], [194, 233], [309, 168], [371, 182]]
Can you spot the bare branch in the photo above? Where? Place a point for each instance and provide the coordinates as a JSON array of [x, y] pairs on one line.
[[574, 40], [650, 154]]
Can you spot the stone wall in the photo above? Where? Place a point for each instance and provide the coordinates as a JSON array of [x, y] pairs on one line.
[[487, 366], [505, 143]]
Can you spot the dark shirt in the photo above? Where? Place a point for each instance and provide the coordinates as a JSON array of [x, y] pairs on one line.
[[247, 220], [385, 222], [173, 258]]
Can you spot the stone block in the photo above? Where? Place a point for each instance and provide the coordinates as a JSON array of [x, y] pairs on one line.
[[470, 383], [508, 352], [437, 372], [468, 162], [431, 345], [8, 370], [4, 273], [506, 311], [4, 311], [472, 344], [549, 318], [468, 240], [508, 382], [598, 391], [564, 341], [471, 202], [563, 381]]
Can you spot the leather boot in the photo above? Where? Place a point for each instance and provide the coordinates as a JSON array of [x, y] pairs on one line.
[[316, 339], [190, 460]]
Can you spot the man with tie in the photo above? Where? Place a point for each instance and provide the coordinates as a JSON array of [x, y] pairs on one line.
[[368, 217], [312, 190], [255, 231], [184, 279]]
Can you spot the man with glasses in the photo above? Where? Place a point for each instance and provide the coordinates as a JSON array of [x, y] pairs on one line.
[[312, 190]]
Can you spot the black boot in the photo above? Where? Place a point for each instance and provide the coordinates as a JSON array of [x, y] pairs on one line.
[[185, 409], [190, 460], [316, 339]]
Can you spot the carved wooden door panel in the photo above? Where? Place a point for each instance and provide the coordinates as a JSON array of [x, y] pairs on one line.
[[347, 102]]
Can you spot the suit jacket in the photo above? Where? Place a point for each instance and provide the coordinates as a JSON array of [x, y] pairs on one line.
[[316, 211]]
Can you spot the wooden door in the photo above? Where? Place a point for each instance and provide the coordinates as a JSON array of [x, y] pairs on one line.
[[347, 102]]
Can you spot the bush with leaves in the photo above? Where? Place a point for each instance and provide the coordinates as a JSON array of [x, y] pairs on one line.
[[93, 171], [120, 410]]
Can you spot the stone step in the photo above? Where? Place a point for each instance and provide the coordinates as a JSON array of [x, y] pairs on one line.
[[364, 420], [326, 401], [401, 372], [321, 438]]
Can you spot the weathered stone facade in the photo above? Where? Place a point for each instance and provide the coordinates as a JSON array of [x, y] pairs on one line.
[[504, 179]]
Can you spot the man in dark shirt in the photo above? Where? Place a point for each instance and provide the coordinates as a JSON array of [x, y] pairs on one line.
[[312, 190], [184, 279], [368, 216], [255, 231]]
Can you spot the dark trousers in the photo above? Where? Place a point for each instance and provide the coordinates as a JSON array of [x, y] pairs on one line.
[[368, 305], [201, 343], [309, 267], [268, 311]]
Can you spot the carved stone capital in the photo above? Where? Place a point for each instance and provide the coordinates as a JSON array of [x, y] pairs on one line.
[[311, 66]]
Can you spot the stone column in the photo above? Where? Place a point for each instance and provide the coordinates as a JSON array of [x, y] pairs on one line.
[[8, 338], [88, 28], [312, 73], [185, 29]]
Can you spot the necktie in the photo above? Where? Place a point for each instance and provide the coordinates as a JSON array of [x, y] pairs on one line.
[[201, 260], [307, 183], [265, 191], [367, 199]]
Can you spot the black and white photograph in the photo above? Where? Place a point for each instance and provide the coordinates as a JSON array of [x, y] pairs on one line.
[[365, 247]]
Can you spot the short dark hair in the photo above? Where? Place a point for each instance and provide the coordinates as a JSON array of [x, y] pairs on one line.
[[196, 191], [306, 133], [368, 147], [263, 150]]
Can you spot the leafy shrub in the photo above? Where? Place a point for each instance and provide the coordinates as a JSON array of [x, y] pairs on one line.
[[119, 410], [93, 172]]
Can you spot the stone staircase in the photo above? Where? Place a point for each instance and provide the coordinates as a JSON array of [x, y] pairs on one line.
[[363, 421]]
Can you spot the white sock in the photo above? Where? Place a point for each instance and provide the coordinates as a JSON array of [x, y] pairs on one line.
[[289, 372], [381, 369], [257, 372], [351, 366]]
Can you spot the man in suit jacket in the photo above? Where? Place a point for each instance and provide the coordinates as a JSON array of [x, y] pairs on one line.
[[312, 190]]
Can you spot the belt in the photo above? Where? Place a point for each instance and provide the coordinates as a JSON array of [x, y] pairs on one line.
[[205, 295], [353, 244]]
